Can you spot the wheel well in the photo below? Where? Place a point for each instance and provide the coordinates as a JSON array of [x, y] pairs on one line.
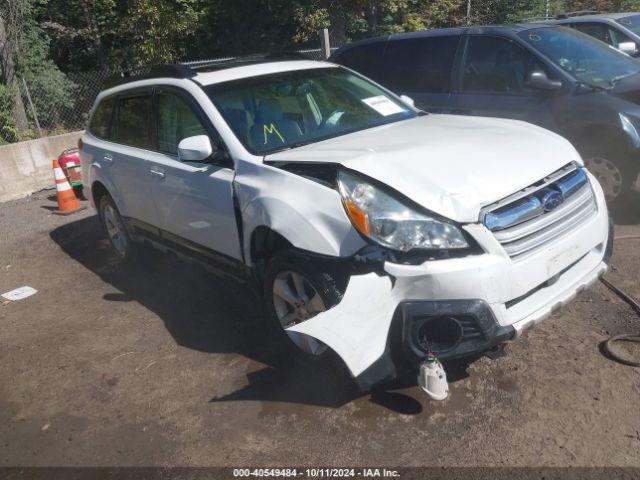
[[98, 190], [264, 243], [600, 139]]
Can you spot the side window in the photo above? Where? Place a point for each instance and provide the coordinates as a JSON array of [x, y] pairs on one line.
[[176, 121], [497, 65], [420, 64], [101, 121], [365, 59], [619, 37], [597, 30], [133, 121]]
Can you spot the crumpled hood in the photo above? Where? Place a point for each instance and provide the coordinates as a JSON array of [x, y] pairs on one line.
[[452, 165]]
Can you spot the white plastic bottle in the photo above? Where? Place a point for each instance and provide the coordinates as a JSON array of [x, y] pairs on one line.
[[432, 378]]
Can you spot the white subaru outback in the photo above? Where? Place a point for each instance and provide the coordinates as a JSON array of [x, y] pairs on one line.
[[374, 230]]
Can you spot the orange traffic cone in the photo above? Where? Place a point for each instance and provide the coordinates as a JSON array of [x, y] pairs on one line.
[[67, 201]]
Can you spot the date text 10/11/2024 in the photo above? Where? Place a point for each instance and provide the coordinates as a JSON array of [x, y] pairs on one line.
[[316, 472]]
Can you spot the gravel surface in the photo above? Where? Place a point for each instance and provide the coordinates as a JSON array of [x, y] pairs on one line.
[[164, 365]]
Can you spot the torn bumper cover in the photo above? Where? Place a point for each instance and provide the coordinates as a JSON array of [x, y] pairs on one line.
[[456, 307]]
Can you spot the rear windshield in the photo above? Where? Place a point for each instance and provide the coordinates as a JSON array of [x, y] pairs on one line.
[[632, 23], [284, 110], [587, 59]]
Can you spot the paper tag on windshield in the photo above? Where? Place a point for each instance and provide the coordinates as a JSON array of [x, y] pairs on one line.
[[383, 105]]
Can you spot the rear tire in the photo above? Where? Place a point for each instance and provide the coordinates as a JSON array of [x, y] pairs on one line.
[[115, 230]]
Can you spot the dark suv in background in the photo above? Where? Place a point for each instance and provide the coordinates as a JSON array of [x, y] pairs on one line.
[[620, 30], [552, 76]]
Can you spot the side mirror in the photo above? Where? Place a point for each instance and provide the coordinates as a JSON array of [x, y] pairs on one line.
[[539, 80], [630, 48], [408, 100], [195, 149]]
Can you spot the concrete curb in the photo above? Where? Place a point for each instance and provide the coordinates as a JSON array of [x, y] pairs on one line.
[[25, 167]]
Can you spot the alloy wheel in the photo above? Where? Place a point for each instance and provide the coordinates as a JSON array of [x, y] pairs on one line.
[[296, 300], [115, 230]]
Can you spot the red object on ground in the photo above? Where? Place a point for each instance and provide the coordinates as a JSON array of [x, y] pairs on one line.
[[69, 161]]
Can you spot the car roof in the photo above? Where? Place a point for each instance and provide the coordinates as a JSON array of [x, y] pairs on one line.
[[597, 16], [256, 69], [512, 28], [207, 72]]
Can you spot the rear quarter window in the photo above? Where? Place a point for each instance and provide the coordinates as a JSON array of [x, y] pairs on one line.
[[101, 121], [133, 121], [420, 64], [365, 59]]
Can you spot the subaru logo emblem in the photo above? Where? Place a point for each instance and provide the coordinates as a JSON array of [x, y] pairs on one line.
[[551, 200]]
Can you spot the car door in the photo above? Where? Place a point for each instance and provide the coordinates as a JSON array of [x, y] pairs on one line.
[[421, 68], [125, 158], [492, 81], [194, 200]]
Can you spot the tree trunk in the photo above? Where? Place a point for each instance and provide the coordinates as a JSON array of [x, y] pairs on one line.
[[372, 16], [9, 78]]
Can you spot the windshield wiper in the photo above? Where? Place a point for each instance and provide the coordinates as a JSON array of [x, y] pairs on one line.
[[593, 86], [615, 80]]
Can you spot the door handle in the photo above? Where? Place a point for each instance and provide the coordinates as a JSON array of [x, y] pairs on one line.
[[157, 172], [108, 157]]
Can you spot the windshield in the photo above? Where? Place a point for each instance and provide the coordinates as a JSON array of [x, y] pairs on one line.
[[584, 57], [285, 110], [632, 23]]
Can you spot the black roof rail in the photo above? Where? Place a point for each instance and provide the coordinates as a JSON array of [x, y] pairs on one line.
[[191, 69], [578, 13], [152, 71], [230, 62]]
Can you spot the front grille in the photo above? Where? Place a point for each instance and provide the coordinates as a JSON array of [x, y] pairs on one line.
[[539, 214]]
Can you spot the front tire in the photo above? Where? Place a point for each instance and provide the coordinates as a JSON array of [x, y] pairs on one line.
[[615, 176], [295, 291]]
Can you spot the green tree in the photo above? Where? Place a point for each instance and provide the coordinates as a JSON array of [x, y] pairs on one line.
[[51, 90], [81, 31], [157, 31], [603, 5], [353, 19]]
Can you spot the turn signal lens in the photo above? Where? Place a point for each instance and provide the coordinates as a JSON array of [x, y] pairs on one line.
[[358, 217]]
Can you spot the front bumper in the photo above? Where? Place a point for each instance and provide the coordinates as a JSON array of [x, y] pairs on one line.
[[492, 297]]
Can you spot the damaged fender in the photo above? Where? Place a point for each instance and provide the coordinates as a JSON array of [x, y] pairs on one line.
[[311, 217], [356, 328], [308, 214]]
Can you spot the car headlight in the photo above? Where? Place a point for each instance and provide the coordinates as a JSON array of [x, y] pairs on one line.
[[390, 223], [628, 125]]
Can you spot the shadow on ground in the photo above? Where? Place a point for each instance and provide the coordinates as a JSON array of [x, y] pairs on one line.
[[213, 315]]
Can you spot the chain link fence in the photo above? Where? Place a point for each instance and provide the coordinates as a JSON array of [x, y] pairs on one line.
[[62, 105]]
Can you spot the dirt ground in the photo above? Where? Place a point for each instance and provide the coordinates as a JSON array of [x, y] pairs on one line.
[[164, 365]]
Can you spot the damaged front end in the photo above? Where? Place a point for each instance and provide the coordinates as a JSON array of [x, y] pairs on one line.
[[416, 282], [381, 335]]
